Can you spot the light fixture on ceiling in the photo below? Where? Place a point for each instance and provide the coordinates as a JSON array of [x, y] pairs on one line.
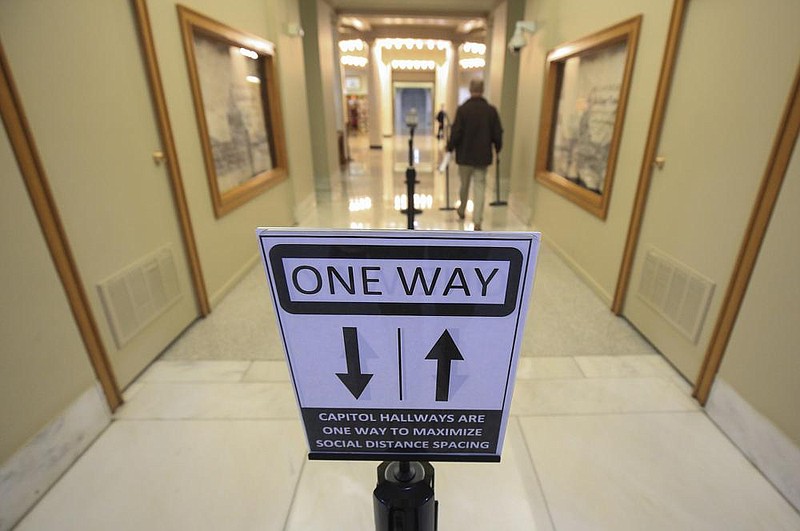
[[352, 45], [412, 64], [248, 53], [474, 62], [519, 40], [409, 44], [477, 48], [354, 60]]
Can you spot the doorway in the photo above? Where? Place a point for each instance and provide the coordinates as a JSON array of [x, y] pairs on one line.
[[110, 179], [694, 221], [411, 95]]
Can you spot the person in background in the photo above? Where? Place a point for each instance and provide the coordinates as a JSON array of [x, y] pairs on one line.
[[474, 131], [441, 116]]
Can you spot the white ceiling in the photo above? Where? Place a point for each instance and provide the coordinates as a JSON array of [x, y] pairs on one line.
[[455, 8], [418, 18]]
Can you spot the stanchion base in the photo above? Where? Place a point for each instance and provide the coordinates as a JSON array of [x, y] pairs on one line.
[[447, 208], [498, 203], [403, 499], [416, 211]]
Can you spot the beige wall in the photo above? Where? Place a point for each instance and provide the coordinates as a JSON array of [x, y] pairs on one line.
[[496, 55], [762, 362], [707, 188], [321, 69], [592, 245], [226, 245], [507, 98], [43, 364], [91, 115], [46, 367], [291, 77]]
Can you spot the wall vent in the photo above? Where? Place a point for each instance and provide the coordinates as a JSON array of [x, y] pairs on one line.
[[138, 294], [674, 290]]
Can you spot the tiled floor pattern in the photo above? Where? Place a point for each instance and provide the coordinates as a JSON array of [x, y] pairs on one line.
[[603, 433]]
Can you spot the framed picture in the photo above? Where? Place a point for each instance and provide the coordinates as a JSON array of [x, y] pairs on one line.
[[237, 105], [583, 109]]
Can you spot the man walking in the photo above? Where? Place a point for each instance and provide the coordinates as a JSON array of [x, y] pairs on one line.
[[474, 131]]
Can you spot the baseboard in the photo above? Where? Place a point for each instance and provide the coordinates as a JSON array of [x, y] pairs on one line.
[[582, 273], [217, 297], [519, 208], [35, 467], [766, 446], [305, 209]]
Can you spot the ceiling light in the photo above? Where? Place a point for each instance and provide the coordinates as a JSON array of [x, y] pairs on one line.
[[412, 64], [351, 45], [353, 60], [474, 47], [248, 53], [399, 44], [475, 62]]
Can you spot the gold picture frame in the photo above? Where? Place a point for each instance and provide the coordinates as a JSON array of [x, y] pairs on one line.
[[237, 105], [583, 108]]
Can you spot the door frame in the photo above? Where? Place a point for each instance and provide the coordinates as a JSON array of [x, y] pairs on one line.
[[674, 32], [44, 205], [35, 177], [766, 198], [422, 84], [147, 44], [777, 165]]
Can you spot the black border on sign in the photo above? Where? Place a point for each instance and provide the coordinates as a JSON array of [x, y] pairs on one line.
[[335, 456], [405, 252], [456, 458]]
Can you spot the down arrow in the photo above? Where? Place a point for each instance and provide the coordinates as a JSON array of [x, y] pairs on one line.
[[445, 351], [353, 379]]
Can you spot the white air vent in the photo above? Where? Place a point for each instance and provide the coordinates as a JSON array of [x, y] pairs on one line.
[[138, 294], [678, 293]]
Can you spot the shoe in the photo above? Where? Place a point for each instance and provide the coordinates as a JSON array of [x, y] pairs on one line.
[[477, 227], [460, 214]]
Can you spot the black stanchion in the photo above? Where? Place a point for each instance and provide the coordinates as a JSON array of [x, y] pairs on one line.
[[404, 498], [411, 152], [447, 189], [409, 211], [447, 169], [411, 172], [497, 202]]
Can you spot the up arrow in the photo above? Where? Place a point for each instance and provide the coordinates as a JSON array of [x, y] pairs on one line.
[[444, 352], [353, 379]]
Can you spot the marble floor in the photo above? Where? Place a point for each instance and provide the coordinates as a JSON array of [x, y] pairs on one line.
[[603, 433]]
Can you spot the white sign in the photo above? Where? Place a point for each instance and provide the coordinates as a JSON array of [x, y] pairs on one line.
[[401, 344]]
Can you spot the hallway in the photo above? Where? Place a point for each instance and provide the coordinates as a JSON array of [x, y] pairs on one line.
[[603, 433]]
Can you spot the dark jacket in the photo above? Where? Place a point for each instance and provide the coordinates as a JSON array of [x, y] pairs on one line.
[[475, 129]]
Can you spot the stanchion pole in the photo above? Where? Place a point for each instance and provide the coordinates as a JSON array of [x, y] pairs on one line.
[[497, 202], [409, 211], [411, 165], [411, 172], [447, 168], [404, 499]]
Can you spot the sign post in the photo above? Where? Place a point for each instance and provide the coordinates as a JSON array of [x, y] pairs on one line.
[[402, 346]]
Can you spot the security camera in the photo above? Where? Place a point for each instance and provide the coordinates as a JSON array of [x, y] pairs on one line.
[[519, 40]]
